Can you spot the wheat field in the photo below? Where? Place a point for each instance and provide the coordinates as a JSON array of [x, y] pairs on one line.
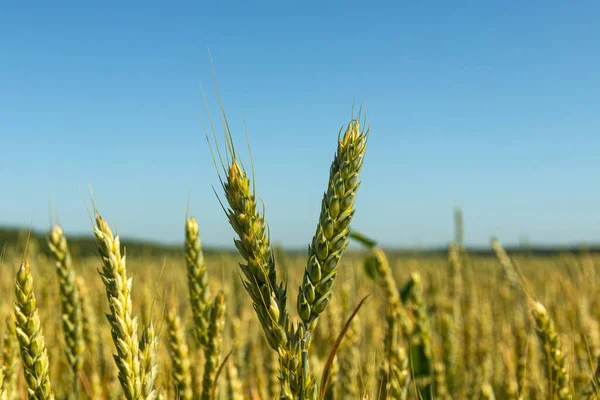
[[265, 324]]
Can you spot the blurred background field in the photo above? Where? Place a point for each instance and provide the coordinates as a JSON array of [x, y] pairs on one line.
[[487, 347]]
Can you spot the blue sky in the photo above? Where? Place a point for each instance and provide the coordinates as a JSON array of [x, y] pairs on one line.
[[493, 106]]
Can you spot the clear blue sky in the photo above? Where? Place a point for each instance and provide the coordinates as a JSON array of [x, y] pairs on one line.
[[491, 105]]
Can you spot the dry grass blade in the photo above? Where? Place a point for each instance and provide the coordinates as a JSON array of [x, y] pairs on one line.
[[326, 369], [218, 374]]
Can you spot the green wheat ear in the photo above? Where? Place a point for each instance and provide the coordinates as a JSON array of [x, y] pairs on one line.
[[31, 339], [258, 272], [331, 238]]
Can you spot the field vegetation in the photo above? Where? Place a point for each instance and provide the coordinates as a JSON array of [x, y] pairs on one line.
[[94, 321]]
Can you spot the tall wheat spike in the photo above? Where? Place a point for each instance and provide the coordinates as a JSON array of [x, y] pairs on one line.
[[122, 322], [259, 273], [331, 237]]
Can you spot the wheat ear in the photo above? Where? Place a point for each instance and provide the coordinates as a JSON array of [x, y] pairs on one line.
[[555, 354], [148, 362], [234, 384], [235, 389], [122, 322], [331, 237], [178, 349], [197, 281], [259, 274], [10, 359], [254, 246], [420, 340], [213, 348], [69, 302], [31, 339]]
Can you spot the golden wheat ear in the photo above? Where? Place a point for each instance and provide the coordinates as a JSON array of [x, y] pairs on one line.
[[31, 338], [181, 377], [197, 275], [70, 303], [10, 359], [556, 357], [213, 348], [124, 326]]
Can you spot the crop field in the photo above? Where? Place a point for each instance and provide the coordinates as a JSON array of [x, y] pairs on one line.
[[261, 323]]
